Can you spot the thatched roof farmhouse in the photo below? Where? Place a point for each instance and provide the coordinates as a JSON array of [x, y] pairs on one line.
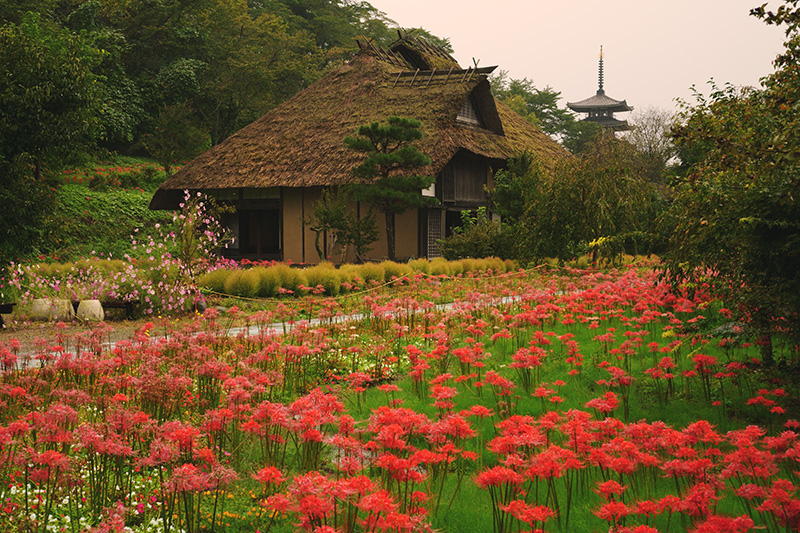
[[274, 169]]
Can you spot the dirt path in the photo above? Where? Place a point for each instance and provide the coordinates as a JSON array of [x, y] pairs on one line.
[[30, 335]]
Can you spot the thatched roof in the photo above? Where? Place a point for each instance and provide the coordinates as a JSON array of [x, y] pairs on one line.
[[300, 142]]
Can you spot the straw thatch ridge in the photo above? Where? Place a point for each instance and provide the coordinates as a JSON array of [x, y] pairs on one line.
[[300, 142]]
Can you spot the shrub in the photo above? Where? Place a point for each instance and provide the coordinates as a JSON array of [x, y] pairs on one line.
[[496, 264], [244, 283], [269, 281], [456, 268], [372, 272], [291, 278], [350, 277], [324, 274], [440, 266], [394, 270], [467, 264], [420, 265], [214, 280], [478, 236]]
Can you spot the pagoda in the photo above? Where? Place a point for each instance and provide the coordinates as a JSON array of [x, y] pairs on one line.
[[601, 108]]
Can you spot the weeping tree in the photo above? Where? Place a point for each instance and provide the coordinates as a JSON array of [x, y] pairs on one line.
[[386, 179]]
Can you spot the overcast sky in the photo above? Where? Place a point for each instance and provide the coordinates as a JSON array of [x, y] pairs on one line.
[[654, 50]]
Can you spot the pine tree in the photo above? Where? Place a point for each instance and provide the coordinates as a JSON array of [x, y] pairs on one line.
[[385, 177]]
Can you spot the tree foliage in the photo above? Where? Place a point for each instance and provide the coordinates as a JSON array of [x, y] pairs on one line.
[[736, 221], [49, 96], [151, 76], [49, 107], [386, 179], [650, 135], [597, 201], [334, 222]]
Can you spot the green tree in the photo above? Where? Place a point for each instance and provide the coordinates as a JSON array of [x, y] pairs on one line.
[[174, 137], [735, 220], [50, 99], [478, 236], [538, 106], [251, 63], [49, 107], [650, 135], [386, 179], [597, 201]]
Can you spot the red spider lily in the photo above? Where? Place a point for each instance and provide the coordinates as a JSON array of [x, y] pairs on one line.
[[612, 512], [518, 435], [604, 404], [498, 476], [610, 489], [782, 504], [529, 514], [724, 524], [269, 475], [697, 501], [189, 478], [502, 484], [452, 428], [443, 396], [527, 363]]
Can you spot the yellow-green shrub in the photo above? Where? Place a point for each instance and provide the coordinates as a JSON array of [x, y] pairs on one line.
[[291, 278], [440, 266], [468, 264], [371, 272], [496, 264], [326, 275], [394, 270], [420, 265], [214, 280], [243, 283], [456, 268], [348, 273], [268, 281]]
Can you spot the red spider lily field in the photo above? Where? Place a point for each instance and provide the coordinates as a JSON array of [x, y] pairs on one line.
[[560, 400]]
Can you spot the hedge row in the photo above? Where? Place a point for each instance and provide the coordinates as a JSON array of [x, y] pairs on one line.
[[325, 278]]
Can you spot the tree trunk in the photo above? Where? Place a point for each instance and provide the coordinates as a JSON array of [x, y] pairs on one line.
[[390, 235]]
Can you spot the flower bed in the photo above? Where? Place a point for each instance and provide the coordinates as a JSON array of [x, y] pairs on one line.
[[572, 401]]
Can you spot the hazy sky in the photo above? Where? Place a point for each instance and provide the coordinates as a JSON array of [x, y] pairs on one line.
[[654, 50]]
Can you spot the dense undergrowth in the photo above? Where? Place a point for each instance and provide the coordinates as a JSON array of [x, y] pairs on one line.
[[96, 209]]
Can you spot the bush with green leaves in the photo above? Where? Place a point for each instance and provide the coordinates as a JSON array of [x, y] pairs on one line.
[[478, 236]]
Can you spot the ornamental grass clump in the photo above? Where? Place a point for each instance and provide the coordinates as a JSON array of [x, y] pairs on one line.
[[291, 279], [420, 265], [372, 274], [269, 281], [324, 275], [440, 267], [244, 283], [215, 280], [392, 270]]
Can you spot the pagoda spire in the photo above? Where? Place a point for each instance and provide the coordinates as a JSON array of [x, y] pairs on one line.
[[601, 107], [600, 89]]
